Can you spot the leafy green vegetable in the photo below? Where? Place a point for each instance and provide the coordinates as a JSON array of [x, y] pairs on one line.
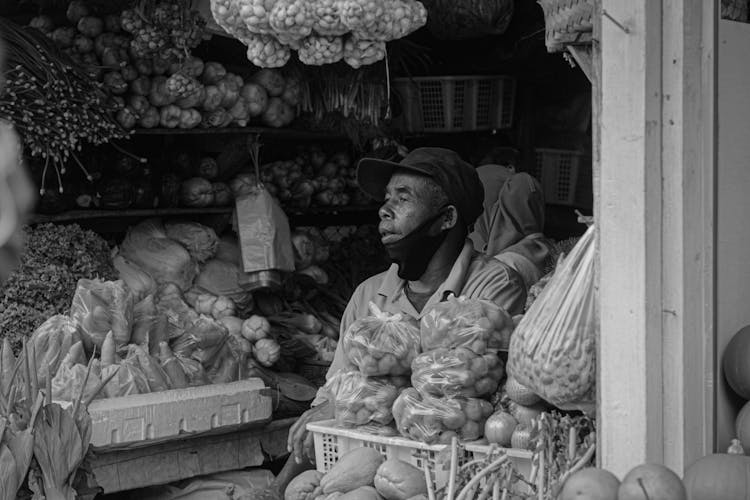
[[56, 257]]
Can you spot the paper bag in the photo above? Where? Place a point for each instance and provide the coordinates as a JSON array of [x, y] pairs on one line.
[[264, 234]]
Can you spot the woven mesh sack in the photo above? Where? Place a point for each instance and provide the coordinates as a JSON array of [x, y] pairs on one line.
[[458, 20], [567, 22]]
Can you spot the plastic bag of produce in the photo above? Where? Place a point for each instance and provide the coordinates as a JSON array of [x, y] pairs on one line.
[[202, 340], [225, 367], [438, 420], [138, 281], [67, 383], [130, 378], [100, 306], [193, 370], [479, 325], [156, 377], [51, 342], [382, 344], [362, 400], [553, 350], [457, 372], [179, 316], [163, 258], [201, 241], [222, 278], [145, 319]]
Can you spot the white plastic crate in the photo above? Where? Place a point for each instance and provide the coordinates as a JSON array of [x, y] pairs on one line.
[[332, 442], [565, 176], [455, 103]]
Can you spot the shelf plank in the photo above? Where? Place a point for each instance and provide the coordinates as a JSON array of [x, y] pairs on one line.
[[280, 133], [346, 215]]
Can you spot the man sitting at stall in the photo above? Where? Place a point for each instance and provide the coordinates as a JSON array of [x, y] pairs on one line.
[[431, 200]]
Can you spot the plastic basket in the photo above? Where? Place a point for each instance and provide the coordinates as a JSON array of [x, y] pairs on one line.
[[565, 176], [455, 103], [331, 442]]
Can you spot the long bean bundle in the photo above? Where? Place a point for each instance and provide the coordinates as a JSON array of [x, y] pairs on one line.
[[53, 104]]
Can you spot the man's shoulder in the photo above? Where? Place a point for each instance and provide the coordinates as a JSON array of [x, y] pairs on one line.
[[487, 270], [371, 285]]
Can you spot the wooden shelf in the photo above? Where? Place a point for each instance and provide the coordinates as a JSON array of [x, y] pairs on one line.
[[316, 216], [277, 133]]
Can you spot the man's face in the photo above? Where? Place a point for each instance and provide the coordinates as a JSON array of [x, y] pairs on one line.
[[407, 205]]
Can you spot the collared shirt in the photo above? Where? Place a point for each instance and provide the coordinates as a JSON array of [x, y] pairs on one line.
[[473, 275]]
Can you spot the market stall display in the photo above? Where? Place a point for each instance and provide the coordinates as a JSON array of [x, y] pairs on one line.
[[322, 31]]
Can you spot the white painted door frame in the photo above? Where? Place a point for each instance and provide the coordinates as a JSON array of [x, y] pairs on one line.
[[655, 209]]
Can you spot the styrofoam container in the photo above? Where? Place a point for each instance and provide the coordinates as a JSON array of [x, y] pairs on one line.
[[159, 415], [332, 442]]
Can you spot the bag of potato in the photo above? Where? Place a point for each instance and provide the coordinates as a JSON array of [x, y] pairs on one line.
[[361, 400], [457, 372], [438, 420], [382, 344], [477, 324], [553, 349]]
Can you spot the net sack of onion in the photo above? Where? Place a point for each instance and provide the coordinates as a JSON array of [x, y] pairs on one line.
[[553, 349], [320, 50], [266, 51], [327, 18], [358, 53]]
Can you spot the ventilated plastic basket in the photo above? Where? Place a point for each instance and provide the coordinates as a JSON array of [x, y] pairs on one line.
[[454, 103], [565, 176], [332, 442]]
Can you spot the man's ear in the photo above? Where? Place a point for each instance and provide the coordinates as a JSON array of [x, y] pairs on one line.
[[450, 218]]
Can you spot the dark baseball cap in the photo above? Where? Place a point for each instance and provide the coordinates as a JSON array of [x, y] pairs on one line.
[[458, 179]]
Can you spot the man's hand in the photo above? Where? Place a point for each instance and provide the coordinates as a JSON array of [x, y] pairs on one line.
[[300, 443]]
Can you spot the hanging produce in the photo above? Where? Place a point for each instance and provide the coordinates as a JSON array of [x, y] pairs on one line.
[[271, 29], [55, 106]]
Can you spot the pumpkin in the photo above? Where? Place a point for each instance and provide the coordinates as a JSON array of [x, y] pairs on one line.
[[590, 483], [720, 476], [651, 482], [742, 426], [736, 367]]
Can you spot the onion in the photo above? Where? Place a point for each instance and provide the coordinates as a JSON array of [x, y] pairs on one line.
[[499, 428]]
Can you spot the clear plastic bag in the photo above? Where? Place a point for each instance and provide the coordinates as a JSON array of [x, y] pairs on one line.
[[553, 350], [151, 368], [51, 341], [202, 340], [382, 344], [67, 384], [361, 400], [194, 371], [479, 325], [457, 372], [437, 420], [180, 316], [129, 379], [100, 306], [144, 321]]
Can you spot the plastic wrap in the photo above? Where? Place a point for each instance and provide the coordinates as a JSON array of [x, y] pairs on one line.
[[438, 420], [67, 384], [199, 240], [145, 319], [382, 344], [179, 316], [194, 371], [205, 335], [130, 379], [479, 325], [457, 372], [363, 400], [51, 341], [100, 306]]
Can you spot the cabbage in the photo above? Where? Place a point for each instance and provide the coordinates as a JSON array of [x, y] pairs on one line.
[[164, 259], [201, 241], [219, 277], [139, 282]]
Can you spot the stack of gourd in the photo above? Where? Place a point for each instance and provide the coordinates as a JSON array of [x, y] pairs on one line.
[[321, 31]]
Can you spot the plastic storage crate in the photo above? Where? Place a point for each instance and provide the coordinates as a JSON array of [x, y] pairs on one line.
[[565, 176], [332, 442], [455, 103]]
